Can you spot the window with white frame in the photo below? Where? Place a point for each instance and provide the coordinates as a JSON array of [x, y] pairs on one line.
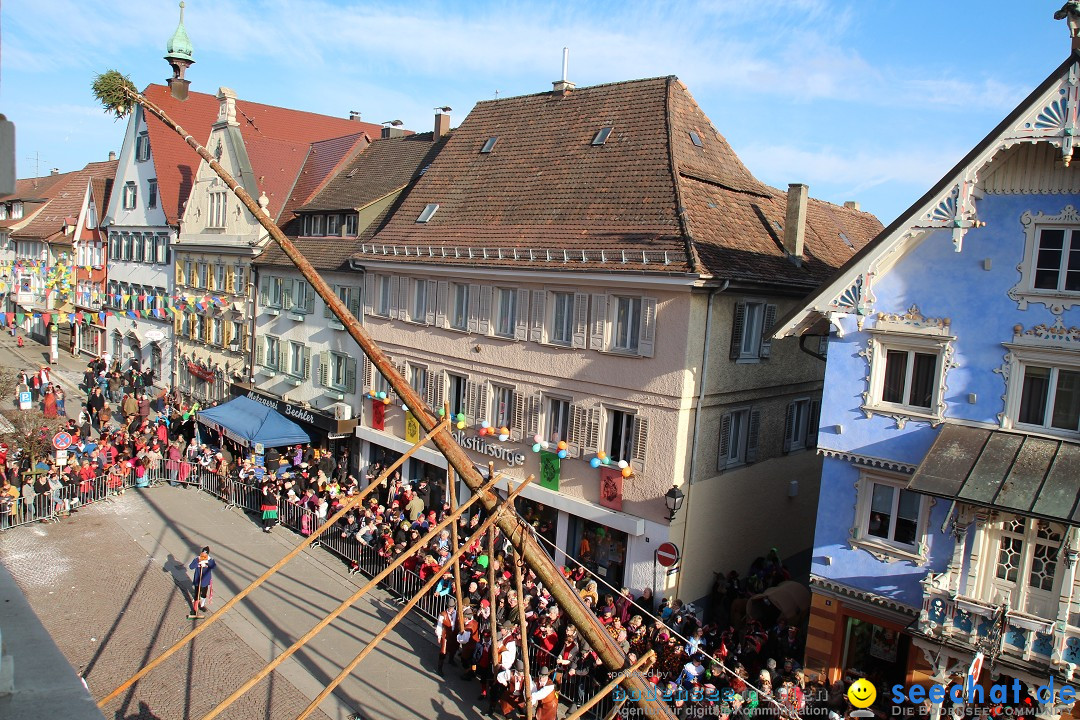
[[303, 297], [151, 194], [351, 225], [217, 332], [219, 277], [17, 211], [459, 310], [562, 318], [236, 336], [273, 292], [502, 406], [621, 324], [129, 195], [556, 418], [383, 298], [349, 296], [142, 147], [801, 424], [907, 374], [1050, 270], [1023, 565], [298, 360], [138, 248], [505, 312], [619, 435], [750, 330], [218, 208], [316, 225], [240, 279], [161, 251], [626, 326], [333, 225], [382, 385], [457, 395], [418, 379], [203, 273], [738, 438], [270, 352], [419, 307], [890, 520], [1043, 385], [340, 372]]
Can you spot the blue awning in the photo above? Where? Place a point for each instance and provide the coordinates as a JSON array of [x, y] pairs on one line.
[[249, 422]]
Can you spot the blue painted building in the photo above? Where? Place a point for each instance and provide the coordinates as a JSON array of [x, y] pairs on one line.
[[950, 421]]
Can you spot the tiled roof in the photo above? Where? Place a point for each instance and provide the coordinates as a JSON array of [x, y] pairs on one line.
[[65, 200], [384, 166], [647, 199], [323, 159], [263, 127]]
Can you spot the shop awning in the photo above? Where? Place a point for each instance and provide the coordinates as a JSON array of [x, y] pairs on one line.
[[250, 422], [1034, 476]]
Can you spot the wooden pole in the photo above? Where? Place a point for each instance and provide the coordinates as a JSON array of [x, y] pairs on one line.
[[642, 662], [486, 526], [348, 505], [394, 565], [525, 545], [451, 491], [524, 637]]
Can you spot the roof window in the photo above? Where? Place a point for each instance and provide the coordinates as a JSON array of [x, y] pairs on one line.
[[847, 241], [602, 136], [490, 144], [429, 211], [695, 138]]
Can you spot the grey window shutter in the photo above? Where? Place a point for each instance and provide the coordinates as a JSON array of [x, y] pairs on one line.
[[812, 424], [369, 374], [641, 443], [307, 363], [264, 290], [517, 417], [538, 307], [324, 368], [483, 316], [436, 389], [354, 301], [395, 304], [474, 308], [288, 292], [327, 312], [470, 401], [521, 331], [789, 426], [724, 442], [592, 430], [369, 293], [350, 375], [581, 319], [576, 428], [432, 293], [309, 297], [532, 418], [440, 303], [402, 370], [260, 351], [737, 330], [752, 436], [598, 321], [647, 336], [767, 323], [283, 357], [403, 298]]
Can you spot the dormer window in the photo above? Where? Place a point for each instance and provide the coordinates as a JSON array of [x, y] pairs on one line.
[[3, 211], [316, 225], [489, 145], [129, 195], [428, 212], [16, 210], [142, 147], [350, 225], [602, 135]]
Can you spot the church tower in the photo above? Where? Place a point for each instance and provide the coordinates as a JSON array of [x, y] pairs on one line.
[[179, 56]]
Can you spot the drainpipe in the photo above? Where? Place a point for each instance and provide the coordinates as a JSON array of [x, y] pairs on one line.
[[697, 419]]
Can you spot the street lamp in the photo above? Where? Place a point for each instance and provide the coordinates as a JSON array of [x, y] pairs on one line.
[[673, 498]]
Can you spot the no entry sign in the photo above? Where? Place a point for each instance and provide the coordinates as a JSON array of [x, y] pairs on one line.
[[667, 554]]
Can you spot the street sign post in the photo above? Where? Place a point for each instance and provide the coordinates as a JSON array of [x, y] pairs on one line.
[[667, 554]]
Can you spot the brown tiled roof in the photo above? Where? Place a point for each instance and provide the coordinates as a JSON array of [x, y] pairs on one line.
[[33, 194], [176, 163], [65, 199], [648, 199], [384, 166]]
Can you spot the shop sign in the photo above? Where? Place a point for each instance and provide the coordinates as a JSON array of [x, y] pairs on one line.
[[412, 428], [200, 372], [472, 442], [611, 481], [320, 420], [378, 415], [549, 470]]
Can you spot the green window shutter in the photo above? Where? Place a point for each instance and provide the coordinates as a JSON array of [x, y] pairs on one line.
[[260, 351], [306, 362], [350, 375], [309, 297], [324, 368]]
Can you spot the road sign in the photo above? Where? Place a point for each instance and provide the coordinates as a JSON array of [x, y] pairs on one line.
[[61, 457], [973, 675], [24, 400], [61, 440], [667, 554]]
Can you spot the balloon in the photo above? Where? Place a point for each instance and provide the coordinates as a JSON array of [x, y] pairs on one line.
[[482, 561], [461, 417], [461, 425], [382, 396], [623, 464], [545, 444], [537, 438], [602, 455], [386, 401], [504, 437], [562, 445], [627, 472], [504, 430], [536, 447], [562, 454], [595, 462], [405, 408], [442, 412], [484, 424], [606, 460]]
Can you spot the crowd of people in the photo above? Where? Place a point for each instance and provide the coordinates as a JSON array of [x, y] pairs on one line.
[[708, 661]]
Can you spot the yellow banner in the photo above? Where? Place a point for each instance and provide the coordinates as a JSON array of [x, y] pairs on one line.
[[412, 428]]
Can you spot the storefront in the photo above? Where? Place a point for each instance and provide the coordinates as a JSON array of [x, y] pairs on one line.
[[326, 431]]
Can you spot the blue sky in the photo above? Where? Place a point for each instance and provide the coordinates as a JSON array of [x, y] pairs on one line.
[[871, 100]]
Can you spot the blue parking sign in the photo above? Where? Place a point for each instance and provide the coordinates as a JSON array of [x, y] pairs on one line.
[[24, 400]]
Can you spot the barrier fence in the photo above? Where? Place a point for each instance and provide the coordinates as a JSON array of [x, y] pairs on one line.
[[60, 501]]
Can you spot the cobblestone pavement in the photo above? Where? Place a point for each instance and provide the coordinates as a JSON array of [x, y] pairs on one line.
[[107, 585]]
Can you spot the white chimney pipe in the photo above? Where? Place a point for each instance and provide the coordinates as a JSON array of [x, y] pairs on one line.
[[565, 62]]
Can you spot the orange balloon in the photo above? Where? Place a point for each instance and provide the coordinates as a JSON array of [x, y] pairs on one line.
[[386, 401], [504, 431], [627, 472], [562, 445], [601, 454]]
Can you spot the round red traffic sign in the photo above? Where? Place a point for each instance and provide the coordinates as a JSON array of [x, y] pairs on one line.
[[667, 554], [61, 441]]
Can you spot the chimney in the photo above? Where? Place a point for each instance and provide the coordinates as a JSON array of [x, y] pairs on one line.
[[561, 88], [54, 171], [112, 155], [392, 129], [795, 221], [851, 205], [226, 107], [442, 124], [354, 115]]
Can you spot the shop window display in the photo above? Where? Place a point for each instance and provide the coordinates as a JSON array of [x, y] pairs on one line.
[[599, 548]]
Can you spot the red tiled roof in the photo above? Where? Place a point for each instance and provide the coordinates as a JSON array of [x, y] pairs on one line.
[[65, 200], [647, 199], [263, 127], [323, 159]]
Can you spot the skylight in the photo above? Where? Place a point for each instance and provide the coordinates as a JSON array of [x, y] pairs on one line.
[[602, 136], [695, 138], [847, 241], [429, 211], [490, 144]]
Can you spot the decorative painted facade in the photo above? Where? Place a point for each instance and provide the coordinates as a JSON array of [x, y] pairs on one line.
[[950, 424]]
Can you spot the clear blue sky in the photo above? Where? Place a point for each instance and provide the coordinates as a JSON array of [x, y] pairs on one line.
[[869, 100]]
